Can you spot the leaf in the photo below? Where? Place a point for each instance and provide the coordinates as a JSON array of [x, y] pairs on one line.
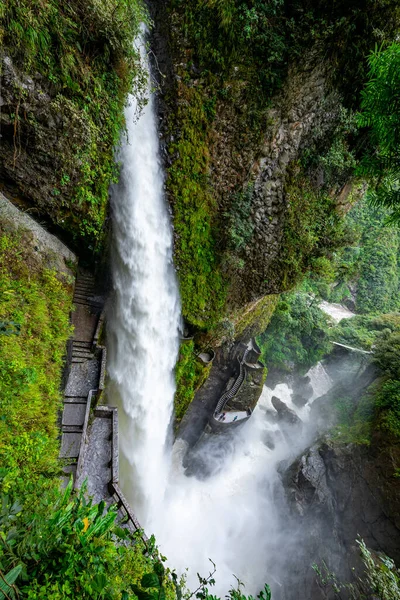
[[7, 582], [150, 580], [143, 595]]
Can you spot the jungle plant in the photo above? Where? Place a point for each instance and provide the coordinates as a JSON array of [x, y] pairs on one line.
[[380, 112]]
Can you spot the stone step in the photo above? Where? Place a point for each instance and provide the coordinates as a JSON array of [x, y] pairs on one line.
[[83, 303], [84, 286], [85, 283], [81, 344], [73, 415], [71, 429], [84, 353], [70, 444], [75, 400], [80, 356], [78, 361]]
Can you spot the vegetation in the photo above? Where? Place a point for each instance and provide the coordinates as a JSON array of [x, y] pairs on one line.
[[86, 55], [261, 37], [313, 228], [297, 335], [190, 374], [202, 288], [355, 418], [367, 332], [232, 57], [34, 309], [381, 578], [69, 548], [366, 270], [380, 113]]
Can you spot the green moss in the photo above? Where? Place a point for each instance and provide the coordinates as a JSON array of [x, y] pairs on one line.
[[312, 229], [254, 319], [85, 52], [190, 374], [203, 290], [35, 305]]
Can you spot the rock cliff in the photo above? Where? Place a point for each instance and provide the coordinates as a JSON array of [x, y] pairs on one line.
[[337, 492]]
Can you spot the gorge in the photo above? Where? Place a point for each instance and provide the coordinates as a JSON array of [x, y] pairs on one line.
[[215, 168]]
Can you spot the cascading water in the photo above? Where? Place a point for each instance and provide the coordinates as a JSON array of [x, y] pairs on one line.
[[144, 314], [232, 516]]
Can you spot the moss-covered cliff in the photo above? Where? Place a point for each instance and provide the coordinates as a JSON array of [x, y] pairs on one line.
[[260, 139], [66, 70]]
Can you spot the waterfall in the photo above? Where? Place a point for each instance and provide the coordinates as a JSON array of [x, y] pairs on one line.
[[233, 515], [144, 312]]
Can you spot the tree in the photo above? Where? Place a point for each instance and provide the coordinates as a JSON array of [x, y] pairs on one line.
[[380, 111]]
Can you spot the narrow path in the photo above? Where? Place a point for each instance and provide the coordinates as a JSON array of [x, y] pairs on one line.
[[84, 370], [89, 432]]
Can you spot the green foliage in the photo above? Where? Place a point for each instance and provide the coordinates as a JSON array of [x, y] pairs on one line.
[[313, 228], [381, 578], [85, 49], [370, 265], [387, 351], [387, 404], [259, 38], [367, 332], [37, 302], [355, 419], [333, 157], [202, 288], [380, 112], [297, 335], [239, 224], [70, 548], [190, 374]]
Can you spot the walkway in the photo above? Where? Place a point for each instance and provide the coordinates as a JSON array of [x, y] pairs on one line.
[[351, 348], [235, 388], [90, 431], [84, 370]]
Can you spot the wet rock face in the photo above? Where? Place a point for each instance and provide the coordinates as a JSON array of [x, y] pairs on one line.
[[286, 415], [302, 107], [336, 493], [41, 136]]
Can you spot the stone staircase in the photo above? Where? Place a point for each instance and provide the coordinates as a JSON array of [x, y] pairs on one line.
[[90, 446], [81, 351], [84, 374], [235, 388]]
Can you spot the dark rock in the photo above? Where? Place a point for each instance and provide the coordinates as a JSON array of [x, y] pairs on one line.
[[299, 400], [338, 492], [285, 414]]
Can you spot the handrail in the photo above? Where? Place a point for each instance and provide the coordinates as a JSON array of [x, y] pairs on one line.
[[122, 502], [81, 455], [228, 395], [97, 332], [111, 412], [102, 375]]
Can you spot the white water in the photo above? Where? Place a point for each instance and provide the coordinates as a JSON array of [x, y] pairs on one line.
[[144, 314], [232, 516], [336, 311]]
